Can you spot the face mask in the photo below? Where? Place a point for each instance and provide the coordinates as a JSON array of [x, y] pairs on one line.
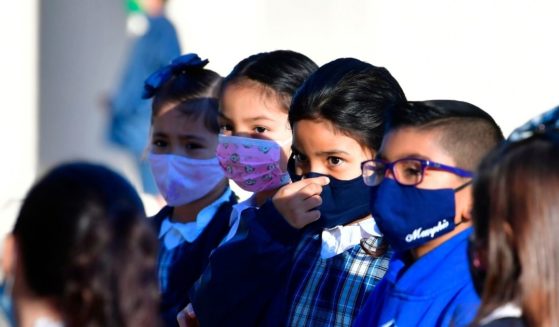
[[343, 201], [253, 164], [408, 216], [182, 180]]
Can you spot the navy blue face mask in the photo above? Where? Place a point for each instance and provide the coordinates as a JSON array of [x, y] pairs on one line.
[[408, 216], [342, 201]]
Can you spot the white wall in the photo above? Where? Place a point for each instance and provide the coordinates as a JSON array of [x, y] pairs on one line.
[[18, 85], [500, 55]]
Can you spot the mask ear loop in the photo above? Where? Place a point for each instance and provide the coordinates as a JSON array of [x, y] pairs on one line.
[[463, 186]]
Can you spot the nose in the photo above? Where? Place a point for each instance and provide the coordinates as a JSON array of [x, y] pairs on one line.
[[389, 173], [316, 167]]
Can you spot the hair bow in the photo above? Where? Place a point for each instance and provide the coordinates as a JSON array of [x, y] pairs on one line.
[[177, 66], [548, 122]]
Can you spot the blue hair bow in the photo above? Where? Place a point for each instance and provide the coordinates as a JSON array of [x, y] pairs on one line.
[[179, 64], [548, 122]]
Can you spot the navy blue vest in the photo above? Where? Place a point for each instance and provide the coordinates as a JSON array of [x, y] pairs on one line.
[[191, 259]]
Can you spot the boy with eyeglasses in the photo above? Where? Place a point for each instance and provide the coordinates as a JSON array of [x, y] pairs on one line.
[[421, 201]]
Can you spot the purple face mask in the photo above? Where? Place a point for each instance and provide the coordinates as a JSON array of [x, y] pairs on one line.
[[253, 164]]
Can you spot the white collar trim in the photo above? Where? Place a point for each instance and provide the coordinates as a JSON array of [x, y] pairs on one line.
[[509, 310], [338, 239]]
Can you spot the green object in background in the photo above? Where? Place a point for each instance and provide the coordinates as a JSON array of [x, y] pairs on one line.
[[133, 6]]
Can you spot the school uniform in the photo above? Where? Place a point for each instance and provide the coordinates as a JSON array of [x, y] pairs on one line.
[[435, 290], [328, 284], [280, 277], [184, 251]]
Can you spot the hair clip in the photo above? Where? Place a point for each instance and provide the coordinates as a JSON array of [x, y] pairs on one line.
[[546, 123], [179, 65]]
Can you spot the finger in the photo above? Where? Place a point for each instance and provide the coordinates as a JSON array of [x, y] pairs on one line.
[[181, 319], [320, 180], [309, 191], [190, 311], [311, 203], [292, 188], [310, 216]]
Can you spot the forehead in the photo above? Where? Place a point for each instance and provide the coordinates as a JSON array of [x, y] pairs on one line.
[[246, 100], [413, 142], [172, 120], [321, 135]]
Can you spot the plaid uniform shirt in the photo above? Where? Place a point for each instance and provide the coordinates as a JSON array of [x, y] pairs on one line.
[[330, 292]]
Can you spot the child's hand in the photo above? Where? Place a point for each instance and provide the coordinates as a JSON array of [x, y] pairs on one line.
[[297, 201], [187, 318]]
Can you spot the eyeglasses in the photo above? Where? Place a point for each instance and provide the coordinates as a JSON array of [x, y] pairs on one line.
[[406, 171], [544, 124]]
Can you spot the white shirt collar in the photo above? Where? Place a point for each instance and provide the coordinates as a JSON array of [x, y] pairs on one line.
[[175, 233], [47, 322], [509, 310], [338, 239], [236, 216]]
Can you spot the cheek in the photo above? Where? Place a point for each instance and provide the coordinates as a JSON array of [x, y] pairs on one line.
[[284, 156]]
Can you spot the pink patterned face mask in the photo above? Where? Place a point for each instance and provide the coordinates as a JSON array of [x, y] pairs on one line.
[[253, 164]]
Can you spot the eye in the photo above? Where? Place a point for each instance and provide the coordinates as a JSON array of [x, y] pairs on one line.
[[260, 129], [408, 171], [299, 157], [193, 146], [225, 128], [159, 143], [335, 161]]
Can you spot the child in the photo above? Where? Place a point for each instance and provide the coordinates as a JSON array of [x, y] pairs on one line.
[[182, 158], [255, 145], [514, 244], [337, 119], [255, 139], [421, 204], [81, 252]]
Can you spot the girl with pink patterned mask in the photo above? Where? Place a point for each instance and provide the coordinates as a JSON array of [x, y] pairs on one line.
[[255, 136]]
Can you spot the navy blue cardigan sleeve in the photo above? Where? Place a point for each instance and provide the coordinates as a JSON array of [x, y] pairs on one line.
[[247, 273]]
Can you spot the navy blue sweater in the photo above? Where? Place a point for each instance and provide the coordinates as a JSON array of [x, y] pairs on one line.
[[191, 259]]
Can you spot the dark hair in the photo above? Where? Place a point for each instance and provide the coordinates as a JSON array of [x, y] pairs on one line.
[[83, 241], [516, 223], [467, 133], [193, 91], [351, 94], [281, 71]]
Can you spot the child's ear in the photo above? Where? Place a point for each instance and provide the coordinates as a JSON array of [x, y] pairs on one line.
[[466, 205], [9, 255], [467, 213]]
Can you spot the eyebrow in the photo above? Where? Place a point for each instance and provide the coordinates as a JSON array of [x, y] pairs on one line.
[[405, 156], [258, 118], [251, 119], [182, 136], [222, 115], [332, 152]]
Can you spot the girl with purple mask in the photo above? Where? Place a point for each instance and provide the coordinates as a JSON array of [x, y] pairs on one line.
[[184, 137]]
